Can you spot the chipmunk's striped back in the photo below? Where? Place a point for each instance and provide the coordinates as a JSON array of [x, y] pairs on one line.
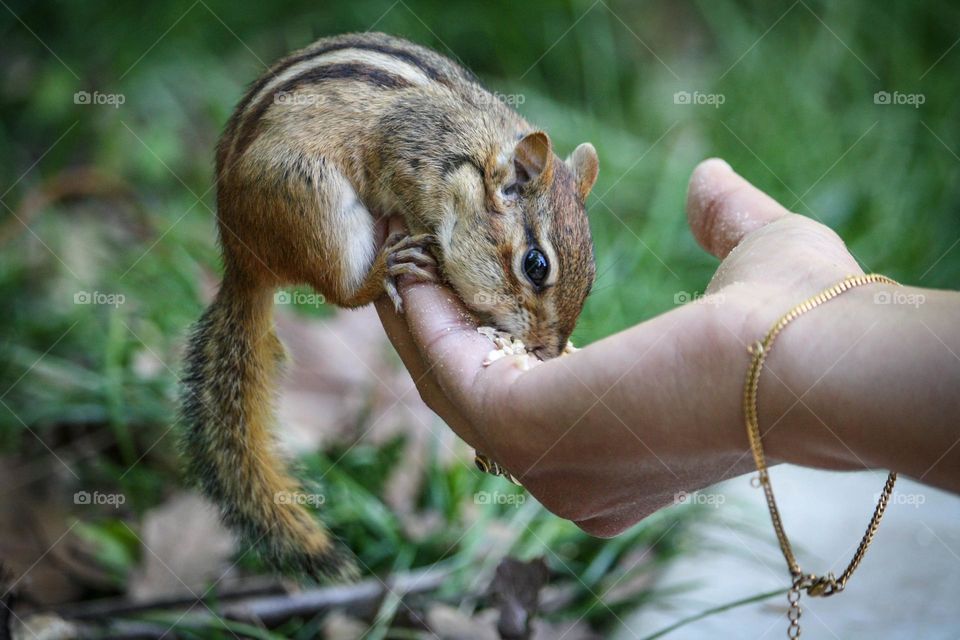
[[377, 59]]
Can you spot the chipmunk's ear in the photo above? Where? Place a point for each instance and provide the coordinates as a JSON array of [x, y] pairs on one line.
[[585, 165], [533, 159]]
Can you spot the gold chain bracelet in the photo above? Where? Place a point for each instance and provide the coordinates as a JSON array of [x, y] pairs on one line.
[[488, 465], [813, 584]]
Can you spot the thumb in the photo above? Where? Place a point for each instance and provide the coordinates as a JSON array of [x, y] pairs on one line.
[[722, 207]]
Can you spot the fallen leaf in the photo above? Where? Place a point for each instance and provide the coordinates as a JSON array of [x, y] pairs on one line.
[[339, 626], [44, 626], [449, 623], [566, 629], [515, 591], [184, 547]]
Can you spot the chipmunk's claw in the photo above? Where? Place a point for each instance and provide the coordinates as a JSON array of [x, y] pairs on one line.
[[407, 256], [390, 287], [414, 255]]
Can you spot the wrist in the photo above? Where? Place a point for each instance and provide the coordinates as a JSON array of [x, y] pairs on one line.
[[816, 384], [808, 398]]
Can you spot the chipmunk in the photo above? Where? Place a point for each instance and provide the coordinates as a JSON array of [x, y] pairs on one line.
[[331, 138]]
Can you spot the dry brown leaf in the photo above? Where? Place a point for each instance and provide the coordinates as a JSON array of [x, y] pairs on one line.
[[35, 542], [515, 591], [339, 626], [184, 547], [449, 623], [566, 629], [44, 626]]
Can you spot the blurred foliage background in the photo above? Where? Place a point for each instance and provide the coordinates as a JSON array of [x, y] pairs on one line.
[[116, 200]]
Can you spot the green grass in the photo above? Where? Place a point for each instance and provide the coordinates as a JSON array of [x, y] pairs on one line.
[[97, 384]]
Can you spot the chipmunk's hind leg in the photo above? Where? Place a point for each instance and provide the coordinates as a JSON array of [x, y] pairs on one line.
[[336, 238]]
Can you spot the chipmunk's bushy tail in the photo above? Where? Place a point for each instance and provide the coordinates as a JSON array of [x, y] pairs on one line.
[[232, 360]]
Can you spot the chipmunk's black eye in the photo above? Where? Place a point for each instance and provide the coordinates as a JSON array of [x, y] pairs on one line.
[[536, 267], [511, 190]]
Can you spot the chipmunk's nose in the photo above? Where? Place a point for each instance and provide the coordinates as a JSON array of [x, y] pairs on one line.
[[543, 352]]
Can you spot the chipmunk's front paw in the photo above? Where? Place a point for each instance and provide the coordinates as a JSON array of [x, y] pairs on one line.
[[407, 256]]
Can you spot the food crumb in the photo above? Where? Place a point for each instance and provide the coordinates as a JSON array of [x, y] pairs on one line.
[[507, 345]]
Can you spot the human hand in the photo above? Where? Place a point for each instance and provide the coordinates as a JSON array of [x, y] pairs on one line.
[[613, 432]]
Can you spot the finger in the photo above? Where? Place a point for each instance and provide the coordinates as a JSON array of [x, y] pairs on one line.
[[449, 347], [399, 335], [446, 335], [722, 207], [444, 331]]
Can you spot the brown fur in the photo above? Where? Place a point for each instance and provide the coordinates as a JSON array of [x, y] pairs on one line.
[[336, 135]]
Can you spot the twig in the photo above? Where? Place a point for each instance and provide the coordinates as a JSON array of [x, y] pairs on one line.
[[361, 598], [108, 607]]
